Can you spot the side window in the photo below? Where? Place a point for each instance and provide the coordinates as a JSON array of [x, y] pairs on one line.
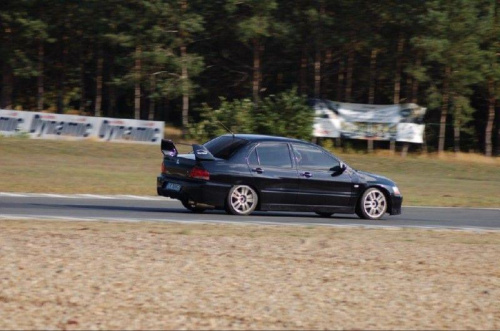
[[308, 156], [274, 155], [252, 158]]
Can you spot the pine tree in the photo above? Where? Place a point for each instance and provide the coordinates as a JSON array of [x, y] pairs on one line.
[[133, 21], [23, 33], [490, 67], [256, 23], [451, 47]]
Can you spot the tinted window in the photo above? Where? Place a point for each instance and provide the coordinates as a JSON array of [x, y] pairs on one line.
[[252, 158], [308, 156], [224, 146], [275, 155]]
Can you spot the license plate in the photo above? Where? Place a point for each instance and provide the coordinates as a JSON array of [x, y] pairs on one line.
[[173, 187]]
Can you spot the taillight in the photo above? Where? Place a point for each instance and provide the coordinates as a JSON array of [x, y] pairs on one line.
[[199, 173], [163, 169]]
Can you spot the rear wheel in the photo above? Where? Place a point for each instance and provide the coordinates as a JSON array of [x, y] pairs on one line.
[[241, 200], [372, 205], [192, 207], [323, 214]]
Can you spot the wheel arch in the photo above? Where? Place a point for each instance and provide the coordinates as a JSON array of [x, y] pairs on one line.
[[383, 189]]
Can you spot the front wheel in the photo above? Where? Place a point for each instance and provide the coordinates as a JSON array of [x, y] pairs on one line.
[[241, 200], [372, 205]]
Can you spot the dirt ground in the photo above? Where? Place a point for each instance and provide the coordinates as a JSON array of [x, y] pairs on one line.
[[77, 275]]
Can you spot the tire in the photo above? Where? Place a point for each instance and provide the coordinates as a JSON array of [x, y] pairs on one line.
[[241, 200], [372, 205], [323, 213], [192, 207]]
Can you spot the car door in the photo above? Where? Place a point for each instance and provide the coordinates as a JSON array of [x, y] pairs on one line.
[[274, 174], [322, 182]]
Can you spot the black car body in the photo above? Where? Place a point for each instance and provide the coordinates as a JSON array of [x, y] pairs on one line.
[[242, 173]]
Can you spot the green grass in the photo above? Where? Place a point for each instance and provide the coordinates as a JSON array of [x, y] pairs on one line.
[[30, 165]]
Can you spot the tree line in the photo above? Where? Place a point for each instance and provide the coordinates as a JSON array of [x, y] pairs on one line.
[[170, 59]]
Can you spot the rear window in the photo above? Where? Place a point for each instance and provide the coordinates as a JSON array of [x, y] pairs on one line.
[[224, 147]]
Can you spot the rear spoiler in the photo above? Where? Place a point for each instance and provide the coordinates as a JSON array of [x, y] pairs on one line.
[[200, 152], [168, 148]]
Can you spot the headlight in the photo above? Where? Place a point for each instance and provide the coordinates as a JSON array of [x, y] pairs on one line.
[[396, 190]]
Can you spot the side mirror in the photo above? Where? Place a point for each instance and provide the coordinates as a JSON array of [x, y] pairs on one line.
[[339, 169]]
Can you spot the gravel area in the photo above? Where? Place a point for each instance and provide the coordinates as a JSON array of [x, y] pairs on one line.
[[84, 275]]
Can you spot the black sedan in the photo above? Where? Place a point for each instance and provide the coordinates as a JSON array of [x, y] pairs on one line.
[[242, 173]]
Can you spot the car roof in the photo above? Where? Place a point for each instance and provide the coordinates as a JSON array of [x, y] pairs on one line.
[[261, 138]]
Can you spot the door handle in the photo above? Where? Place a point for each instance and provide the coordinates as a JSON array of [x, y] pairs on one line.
[[258, 170], [306, 174]]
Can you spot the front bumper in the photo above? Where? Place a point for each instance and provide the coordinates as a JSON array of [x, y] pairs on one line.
[[199, 191], [396, 202]]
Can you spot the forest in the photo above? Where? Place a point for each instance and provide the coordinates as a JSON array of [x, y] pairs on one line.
[[179, 60]]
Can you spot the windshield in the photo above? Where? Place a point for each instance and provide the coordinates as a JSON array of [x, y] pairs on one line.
[[224, 147]]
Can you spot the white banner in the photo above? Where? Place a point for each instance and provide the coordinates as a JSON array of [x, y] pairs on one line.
[[74, 127], [56, 126], [126, 130], [402, 122], [13, 121]]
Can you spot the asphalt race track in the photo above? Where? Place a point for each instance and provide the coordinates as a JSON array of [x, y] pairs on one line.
[[87, 207]]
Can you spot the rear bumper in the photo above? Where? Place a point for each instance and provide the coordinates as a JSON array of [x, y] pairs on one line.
[[199, 191], [396, 202]]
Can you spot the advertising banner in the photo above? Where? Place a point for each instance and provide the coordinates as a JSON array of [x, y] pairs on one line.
[[401, 122], [13, 121], [74, 127], [56, 126], [126, 130]]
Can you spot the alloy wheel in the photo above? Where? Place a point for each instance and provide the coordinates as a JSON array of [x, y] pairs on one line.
[[373, 204], [242, 200]]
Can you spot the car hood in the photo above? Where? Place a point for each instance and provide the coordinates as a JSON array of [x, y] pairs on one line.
[[374, 178]]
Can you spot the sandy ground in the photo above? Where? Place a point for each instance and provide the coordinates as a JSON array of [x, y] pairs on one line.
[[71, 275]]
